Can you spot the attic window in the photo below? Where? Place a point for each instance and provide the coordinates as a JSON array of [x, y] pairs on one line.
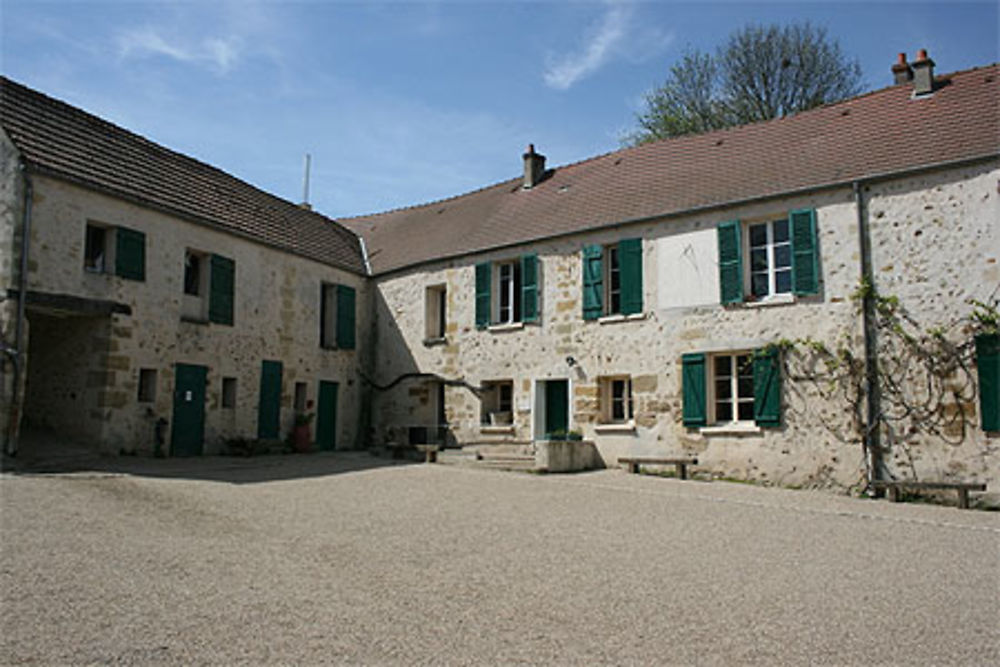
[[564, 188]]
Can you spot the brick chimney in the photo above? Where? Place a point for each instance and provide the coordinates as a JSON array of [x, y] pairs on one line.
[[534, 167], [923, 74], [901, 71]]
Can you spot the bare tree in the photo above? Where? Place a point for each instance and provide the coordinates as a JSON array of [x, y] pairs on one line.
[[761, 72]]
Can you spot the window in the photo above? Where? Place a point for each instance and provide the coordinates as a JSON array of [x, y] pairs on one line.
[[115, 249], [435, 312], [209, 287], [612, 279], [193, 273], [616, 400], [497, 407], [336, 317], [732, 387], [147, 385], [761, 260], [229, 392], [507, 292]]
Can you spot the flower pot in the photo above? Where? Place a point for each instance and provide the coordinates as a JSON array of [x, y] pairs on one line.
[[301, 438]]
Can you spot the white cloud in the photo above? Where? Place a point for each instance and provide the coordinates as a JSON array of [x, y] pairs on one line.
[[219, 54], [615, 35]]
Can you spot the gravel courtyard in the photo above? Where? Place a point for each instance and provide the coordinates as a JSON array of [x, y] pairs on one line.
[[348, 559]]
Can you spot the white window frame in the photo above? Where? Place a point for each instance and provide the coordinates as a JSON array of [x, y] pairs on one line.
[[509, 286], [735, 398], [614, 391], [772, 268]]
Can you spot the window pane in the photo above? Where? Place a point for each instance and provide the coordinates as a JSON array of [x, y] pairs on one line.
[[782, 256], [745, 386], [746, 411], [758, 235], [783, 281], [723, 388], [780, 231], [758, 284], [724, 411], [758, 259], [743, 366]]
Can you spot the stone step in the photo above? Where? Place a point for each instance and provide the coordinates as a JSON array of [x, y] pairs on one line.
[[502, 449]]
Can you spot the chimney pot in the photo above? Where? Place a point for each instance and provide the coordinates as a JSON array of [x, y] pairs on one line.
[[901, 71], [923, 74], [534, 167]]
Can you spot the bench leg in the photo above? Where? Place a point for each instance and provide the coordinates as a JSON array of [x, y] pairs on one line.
[[894, 494], [963, 498], [682, 470]]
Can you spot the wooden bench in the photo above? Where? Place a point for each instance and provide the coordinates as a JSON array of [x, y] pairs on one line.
[[680, 463], [430, 452], [963, 488]]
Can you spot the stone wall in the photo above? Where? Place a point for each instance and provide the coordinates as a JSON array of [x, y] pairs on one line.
[[276, 314], [682, 314]]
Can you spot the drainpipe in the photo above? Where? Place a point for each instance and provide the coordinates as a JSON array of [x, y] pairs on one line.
[[17, 353], [872, 444]]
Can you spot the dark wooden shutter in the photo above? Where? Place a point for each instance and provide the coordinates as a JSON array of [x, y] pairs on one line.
[[529, 288], [730, 262], [695, 410], [805, 259], [130, 254], [593, 282], [767, 387], [220, 297], [345, 317], [988, 363], [483, 280], [630, 265]]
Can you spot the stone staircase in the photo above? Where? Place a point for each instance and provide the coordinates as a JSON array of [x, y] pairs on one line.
[[494, 456]]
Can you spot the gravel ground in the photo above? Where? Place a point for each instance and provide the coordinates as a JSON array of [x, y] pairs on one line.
[[346, 559]]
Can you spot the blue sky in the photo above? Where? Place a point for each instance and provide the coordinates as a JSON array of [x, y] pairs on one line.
[[401, 103]]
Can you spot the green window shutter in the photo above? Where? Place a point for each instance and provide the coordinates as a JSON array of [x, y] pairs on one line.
[[730, 262], [593, 282], [805, 260], [345, 317], [693, 390], [130, 254], [988, 363], [767, 387], [529, 288], [630, 264], [220, 297], [483, 280]]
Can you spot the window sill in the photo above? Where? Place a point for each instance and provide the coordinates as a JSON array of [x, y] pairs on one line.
[[432, 342], [508, 326], [614, 319], [735, 428], [624, 427], [496, 430], [775, 300]]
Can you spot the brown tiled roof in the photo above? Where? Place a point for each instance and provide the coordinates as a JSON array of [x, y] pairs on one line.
[[60, 140], [880, 133]]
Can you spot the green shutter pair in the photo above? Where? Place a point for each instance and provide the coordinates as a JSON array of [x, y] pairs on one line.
[[988, 364], [805, 257], [130, 254], [766, 388], [630, 274], [221, 290], [528, 296]]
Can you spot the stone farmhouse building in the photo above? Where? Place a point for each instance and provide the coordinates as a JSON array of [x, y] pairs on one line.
[[641, 300]]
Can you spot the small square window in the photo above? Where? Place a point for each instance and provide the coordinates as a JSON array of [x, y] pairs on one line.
[[497, 403], [147, 385], [616, 400], [228, 392]]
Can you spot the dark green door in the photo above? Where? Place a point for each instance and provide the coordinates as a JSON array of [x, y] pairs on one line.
[[188, 432], [269, 409], [556, 407], [326, 415]]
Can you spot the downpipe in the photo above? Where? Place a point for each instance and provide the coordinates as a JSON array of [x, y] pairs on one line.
[[872, 434]]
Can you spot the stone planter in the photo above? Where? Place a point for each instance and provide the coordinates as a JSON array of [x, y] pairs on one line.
[[565, 455]]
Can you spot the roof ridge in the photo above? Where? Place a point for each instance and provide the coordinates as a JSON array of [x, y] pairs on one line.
[[164, 151]]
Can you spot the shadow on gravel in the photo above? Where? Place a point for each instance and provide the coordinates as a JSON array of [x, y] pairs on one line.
[[43, 458]]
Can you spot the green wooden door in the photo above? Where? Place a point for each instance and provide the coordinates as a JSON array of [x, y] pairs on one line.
[[326, 415], [269, 409], [188, 432], [556, 408]]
